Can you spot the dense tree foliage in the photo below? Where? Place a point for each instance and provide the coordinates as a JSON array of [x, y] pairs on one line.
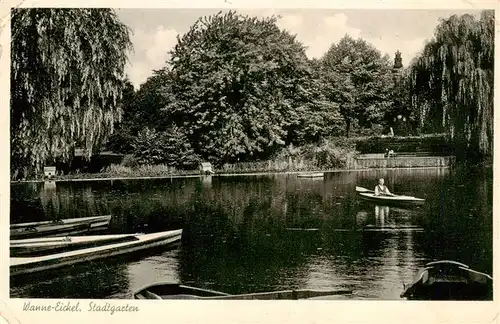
[[318, 118], [452, 82], [360, 80], [170, 147], [236, 88], [150, 99], [242, 88], [66, 82], [401, 116], [125, 129]]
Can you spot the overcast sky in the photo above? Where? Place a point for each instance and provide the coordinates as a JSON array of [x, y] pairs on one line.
[[155, 30]]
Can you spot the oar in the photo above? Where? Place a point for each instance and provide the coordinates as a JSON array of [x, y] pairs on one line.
[[285, 294]]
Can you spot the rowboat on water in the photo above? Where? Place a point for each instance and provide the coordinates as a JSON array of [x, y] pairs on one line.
[[369, 195], [134, 243], [449, 280], [51, 245], [59, 227], [167, 290], [311, 175]]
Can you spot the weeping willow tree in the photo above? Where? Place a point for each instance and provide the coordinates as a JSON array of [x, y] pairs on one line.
[[452, 83], [67, 70]]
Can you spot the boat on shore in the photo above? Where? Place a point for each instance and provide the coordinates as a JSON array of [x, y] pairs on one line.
[[449, 280], [167, 290], [135, 243], [70, 226], [311, 175], [369, 195]]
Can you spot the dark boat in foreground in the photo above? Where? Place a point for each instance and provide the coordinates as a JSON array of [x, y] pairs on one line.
[[449, 280], [177, 291]]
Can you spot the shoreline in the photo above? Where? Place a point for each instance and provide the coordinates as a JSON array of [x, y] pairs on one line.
[[176, 176]]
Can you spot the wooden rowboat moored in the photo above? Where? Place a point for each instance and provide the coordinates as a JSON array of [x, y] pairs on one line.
[[138, 242], [59, 227], [311, 175], [51, 245]]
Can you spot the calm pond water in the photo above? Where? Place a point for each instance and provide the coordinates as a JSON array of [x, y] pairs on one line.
[[237, 231]]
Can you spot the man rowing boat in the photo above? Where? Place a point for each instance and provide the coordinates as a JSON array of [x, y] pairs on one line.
[[381, 189]]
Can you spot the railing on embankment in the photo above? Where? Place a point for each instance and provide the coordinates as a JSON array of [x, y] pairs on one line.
[[370, 162]]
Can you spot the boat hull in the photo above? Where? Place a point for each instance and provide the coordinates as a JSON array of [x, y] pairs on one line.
[[63, 227], [21, 266], [449, 280], [50, 245], [311, 175], [176, 291], [390, 200]]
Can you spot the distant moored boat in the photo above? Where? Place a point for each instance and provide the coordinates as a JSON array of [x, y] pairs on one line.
[[311, 175]]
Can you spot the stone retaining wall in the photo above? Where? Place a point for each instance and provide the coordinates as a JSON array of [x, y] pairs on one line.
[[403, 162]]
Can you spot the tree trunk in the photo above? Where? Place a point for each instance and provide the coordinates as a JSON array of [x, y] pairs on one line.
[[347, 126]]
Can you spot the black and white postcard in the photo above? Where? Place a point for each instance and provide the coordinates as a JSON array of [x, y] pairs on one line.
[[263, 162]]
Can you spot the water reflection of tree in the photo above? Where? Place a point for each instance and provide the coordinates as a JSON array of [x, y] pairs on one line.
[[460, 216], [68, 201], [248, 261], [235, 236], [92, 280], [253, 250], [50, 200], [277, 201], [238, 243], [24, 203], [370, 214]]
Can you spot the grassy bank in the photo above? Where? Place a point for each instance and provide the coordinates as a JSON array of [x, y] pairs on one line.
[[156, 171], [271, 166], [310, 158], [121, 171], [328, 155]]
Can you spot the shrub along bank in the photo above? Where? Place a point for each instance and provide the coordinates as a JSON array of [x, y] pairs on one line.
[[329, 154]]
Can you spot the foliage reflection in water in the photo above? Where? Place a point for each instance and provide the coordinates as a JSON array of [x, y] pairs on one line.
[[246, 233]]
